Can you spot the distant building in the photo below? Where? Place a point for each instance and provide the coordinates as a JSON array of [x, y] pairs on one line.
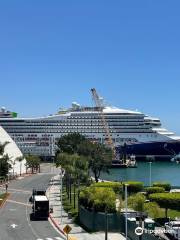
[[13, 152]]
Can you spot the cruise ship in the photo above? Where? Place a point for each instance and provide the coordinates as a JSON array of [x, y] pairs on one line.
[[141, 134]]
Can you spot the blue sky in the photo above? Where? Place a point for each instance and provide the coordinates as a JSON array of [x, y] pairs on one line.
[[53, 52]]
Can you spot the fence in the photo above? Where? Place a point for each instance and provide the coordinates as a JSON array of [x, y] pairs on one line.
[[96, 221]]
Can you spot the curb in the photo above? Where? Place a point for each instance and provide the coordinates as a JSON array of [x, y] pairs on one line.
[[56, 224], [4, 200], [60, 230]]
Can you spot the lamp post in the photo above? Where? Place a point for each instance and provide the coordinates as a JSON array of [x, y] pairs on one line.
[[126, 185], [106, 224], [61, 189], [150, 173], [140, 217]]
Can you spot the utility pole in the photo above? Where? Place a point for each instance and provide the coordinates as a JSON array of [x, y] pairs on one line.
[[106, 224], [61, 189], [126, 185], [150, 173]]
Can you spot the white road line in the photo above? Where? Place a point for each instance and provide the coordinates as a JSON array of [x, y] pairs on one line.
[[49, 238], [21, 203], [58, 238]]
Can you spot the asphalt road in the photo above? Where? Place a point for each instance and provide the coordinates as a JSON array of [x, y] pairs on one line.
[[15, 221]]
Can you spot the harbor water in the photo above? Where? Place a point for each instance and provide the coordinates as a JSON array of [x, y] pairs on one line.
[[146, 172]]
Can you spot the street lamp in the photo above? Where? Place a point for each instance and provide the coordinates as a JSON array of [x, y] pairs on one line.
[[106, 224], [61, 189], [126, 185], [140, 217], [150, 173]]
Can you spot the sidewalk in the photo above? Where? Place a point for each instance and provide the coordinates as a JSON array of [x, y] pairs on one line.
[[77, 232]]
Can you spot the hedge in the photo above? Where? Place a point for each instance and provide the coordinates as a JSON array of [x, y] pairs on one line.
[[166, 200], [98, 199], [151, 190], [134, 187], [166, 186], [116, 186]]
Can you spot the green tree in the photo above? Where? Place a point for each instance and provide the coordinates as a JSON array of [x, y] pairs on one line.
[[4, 161], [33, 162], [166, 201], [69, 143], [2, 148], [99, 155], [76, 169]]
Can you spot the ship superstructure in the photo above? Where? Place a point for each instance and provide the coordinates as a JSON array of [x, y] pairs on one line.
[[143, 135]]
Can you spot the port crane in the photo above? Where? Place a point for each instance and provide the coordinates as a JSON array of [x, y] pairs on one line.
[[99, 103]]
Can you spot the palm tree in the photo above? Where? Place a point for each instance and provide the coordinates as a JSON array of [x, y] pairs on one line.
[[13, 163], [20, 159], [2, 147], [4, 160]]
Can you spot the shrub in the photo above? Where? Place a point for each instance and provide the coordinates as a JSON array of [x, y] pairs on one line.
[[134, 187], [116, 186], [98, 199], [151, 190], [153, 209], [166, 186], [137, 202]]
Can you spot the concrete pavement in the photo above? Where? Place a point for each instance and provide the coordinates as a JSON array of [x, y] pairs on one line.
[[15, 221], [77, 232]]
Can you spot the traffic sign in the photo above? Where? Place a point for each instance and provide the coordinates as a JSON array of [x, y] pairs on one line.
[[67, 229]]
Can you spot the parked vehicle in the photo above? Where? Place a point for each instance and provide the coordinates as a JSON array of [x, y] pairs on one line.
[[173, 228]]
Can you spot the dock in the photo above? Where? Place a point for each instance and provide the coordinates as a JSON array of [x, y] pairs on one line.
[[127, 163]]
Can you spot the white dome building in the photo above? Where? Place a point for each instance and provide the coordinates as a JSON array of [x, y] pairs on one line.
[[13, 152]]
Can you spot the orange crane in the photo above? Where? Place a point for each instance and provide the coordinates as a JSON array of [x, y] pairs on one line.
[[99, 103]]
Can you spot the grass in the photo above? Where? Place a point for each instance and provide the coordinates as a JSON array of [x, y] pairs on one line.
[[2, 197], [172, 214]]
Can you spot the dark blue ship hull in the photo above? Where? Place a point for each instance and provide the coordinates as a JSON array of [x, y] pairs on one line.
[[160, 150]]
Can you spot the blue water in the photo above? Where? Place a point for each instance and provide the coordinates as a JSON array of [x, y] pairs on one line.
[[160, 171]]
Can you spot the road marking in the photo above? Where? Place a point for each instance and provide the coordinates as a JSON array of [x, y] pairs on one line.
[[57, 238], [19, 190], [21, 203], [14, 225], [12, 209]]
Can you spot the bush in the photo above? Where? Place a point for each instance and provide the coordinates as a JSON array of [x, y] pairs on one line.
[[151, 190], [166, 186], [153, 209], [137, 202], [116, 186], [98, 199], [134, 187]]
